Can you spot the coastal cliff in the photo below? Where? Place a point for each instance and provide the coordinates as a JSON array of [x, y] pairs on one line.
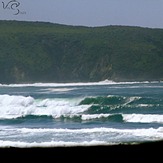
[[46, 52]]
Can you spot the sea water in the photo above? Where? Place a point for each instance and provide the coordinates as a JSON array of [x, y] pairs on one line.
[[80, 114]]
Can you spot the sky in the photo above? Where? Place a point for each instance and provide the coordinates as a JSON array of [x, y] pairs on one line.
[[144, 13]]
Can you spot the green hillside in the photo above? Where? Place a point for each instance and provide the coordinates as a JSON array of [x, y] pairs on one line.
[[46, 52]]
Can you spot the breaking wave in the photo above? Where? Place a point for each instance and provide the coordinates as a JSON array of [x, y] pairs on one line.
[[16, 109]]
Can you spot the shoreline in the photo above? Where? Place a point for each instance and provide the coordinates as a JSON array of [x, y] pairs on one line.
[[61, 84], [134, 152]]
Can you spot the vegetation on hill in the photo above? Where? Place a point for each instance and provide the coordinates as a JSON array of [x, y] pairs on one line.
[[46, 52]]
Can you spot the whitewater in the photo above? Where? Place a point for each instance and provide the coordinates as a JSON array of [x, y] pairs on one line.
[[80, 114]]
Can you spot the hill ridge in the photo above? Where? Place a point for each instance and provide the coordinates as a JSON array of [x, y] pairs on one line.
[[49, 52]]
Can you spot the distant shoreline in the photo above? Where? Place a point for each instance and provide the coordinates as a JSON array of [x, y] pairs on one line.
[[105, 82]]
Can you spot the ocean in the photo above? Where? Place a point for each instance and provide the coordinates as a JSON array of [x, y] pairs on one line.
[[80, 114]]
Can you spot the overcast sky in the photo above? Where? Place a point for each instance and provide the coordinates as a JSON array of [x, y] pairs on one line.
[[144, 13]]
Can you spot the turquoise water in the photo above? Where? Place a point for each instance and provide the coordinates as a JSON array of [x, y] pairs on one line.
[[80, 114]]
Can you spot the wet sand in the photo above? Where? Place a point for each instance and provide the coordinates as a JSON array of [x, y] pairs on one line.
[[138, 152]]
